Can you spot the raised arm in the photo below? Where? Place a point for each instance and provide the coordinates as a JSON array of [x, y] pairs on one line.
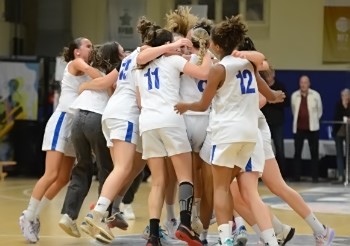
[[101, 83], [201, 71], [148, 53], [257, 58], [216, 77], [79, 65]]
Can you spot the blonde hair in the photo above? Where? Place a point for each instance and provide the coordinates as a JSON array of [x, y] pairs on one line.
[[180, 20], [200, 39]]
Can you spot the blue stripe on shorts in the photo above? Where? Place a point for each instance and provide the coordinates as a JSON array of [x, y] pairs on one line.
[[129, 131], [212, 153], [57, 131], [249, 166]]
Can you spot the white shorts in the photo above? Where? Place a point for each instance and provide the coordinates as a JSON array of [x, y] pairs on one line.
[[257, 161], [163, 142], [57, 135], [232, 154], [205, 151], [196, 126], [266, 137], [121, 130]]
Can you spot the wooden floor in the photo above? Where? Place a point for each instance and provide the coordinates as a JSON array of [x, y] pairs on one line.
[[15, 193]]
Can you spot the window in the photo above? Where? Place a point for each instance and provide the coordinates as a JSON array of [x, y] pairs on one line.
[[252, 10]]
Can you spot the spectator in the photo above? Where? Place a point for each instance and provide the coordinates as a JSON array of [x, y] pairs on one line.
[[307, 110], [274, 114], [342, 109]]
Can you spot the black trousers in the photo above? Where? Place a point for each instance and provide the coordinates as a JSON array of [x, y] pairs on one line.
[[130, 194], [313, 140]]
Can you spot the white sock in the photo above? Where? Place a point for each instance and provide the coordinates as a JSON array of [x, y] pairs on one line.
[[277, 225], [102, 204], [225, 231], [256, 229], [239, 222], [196, 207], [116, 204], [204, 235], [269, 237], [314, 223], [43, 203], [32, 206], [170, 211]]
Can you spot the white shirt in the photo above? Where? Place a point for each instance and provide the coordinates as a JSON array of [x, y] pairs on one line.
[[69, 90], [191, 89], [159, 87], [236, 104], [122, 104], [92, 100], [314, 106]]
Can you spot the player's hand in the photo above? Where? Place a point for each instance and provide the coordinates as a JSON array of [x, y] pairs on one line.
[[280, 96], [82, 88], [181, 108]]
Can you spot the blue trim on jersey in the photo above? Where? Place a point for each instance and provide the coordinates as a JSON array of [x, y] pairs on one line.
[[57, 131], [129, 131], [212, 153], [249, 166]]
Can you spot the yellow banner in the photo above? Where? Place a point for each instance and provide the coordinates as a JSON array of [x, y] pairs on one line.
[[336, 34]]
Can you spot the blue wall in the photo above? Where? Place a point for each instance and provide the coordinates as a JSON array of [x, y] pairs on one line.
[[328, 83]]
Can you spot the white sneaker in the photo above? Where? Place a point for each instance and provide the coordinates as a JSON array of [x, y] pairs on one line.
[[241, 236], [28, 229], [164, 237], [326, 239], [128, 212], [69, 226], [171, 227], [88, 229], [94, 219], [286, 235], [197, 225]]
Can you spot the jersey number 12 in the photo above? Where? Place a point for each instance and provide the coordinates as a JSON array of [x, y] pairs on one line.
[[246, 79]]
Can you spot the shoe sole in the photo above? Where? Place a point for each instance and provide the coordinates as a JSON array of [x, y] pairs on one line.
[[331, 237], [242, 241], [87, 231], [121, 225], [184, 237], [101, 239], [68, 230], [101, 231], [289, 236]]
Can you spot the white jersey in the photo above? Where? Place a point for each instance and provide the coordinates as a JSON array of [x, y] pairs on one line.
[[92, 100], [191, 89], [236, 104], [159, 85], [122, 104], [69, 90]]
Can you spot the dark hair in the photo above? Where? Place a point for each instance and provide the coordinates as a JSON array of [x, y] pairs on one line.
[[229, 34], [145, 26], [68, 52], [247, 44], [204, 23], [107, 57]]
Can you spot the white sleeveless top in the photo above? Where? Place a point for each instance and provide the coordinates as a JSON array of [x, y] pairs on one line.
[[122, 104], [159, 86], [69, 90], [236, 104], [191, 89], [92, 100]]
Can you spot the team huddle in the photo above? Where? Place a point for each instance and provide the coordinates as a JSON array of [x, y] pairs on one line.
[[186, 102]]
